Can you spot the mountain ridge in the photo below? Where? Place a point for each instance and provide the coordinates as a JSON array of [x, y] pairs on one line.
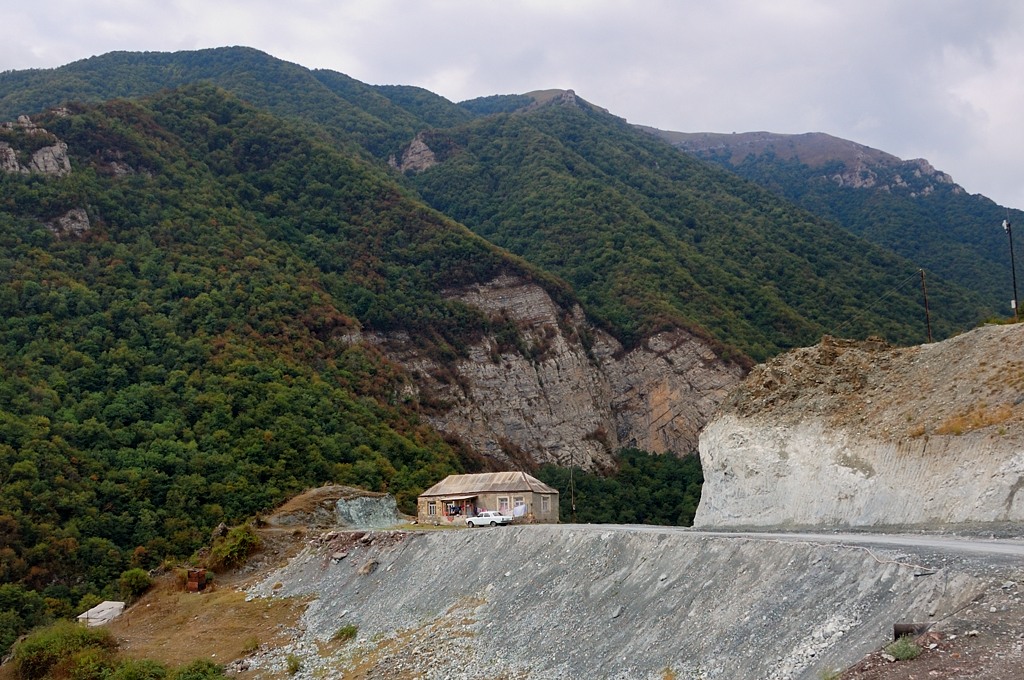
[[905, 205]]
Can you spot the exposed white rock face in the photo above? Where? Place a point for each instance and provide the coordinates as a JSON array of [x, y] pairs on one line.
[[760, 474], [367, 512], [417, 158], [9, 158], [859, 434], [73, 223], [49, 160], [564, 404], [862, 175]]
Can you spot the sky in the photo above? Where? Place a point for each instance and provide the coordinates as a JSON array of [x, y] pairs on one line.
[[935, 79]]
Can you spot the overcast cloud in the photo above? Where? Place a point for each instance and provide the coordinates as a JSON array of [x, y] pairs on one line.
[[935, 79]]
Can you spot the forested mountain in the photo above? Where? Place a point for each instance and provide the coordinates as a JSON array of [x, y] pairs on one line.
[[648, 236], [203, 255], [352, 111], [178, 356], [905, 206]]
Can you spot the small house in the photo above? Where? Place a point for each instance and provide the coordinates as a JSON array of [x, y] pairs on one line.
[[456, 497]]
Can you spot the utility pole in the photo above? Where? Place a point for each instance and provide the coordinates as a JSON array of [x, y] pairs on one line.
[[927, 314], [572, 487], [1013, 266]]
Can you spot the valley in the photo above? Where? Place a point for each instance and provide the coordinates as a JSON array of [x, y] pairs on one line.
[[227, 279]]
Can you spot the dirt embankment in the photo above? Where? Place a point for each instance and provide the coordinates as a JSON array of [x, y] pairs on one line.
[[968, 383]]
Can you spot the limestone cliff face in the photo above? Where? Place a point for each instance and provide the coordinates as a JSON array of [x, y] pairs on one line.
[[859, 434], [72, 224], [417, 157], [564, 400], [51, 159]]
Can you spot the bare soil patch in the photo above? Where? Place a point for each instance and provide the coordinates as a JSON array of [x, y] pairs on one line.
[[985, 641], [970, 383], [175, 627]]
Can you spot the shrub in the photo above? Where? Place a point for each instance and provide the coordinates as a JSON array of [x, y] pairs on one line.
[[200, 669], [232, 550], [134, 583], [251, 645], [345, 633], [91, 663], [88, 601], [904, 649], [136, 669], [57, 644], [294, 664]]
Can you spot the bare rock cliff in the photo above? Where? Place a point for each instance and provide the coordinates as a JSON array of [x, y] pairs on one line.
[[42, 158], [571, 394], [417, 157], [861, 434]]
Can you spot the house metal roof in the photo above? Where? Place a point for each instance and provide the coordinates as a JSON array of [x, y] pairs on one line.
[[468, 486]]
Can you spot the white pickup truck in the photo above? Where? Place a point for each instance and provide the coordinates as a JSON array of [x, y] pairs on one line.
[[488, 518]]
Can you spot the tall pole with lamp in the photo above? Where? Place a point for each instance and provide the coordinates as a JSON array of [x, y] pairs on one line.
[[1013, 267]]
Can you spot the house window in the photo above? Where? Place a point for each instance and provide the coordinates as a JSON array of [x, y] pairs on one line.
[[431, 509], [545, 503], [503, 504]]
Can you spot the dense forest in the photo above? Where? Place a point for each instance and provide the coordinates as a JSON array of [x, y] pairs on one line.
[[938, 226], [193, 352], [184, 362], [650, 237], [642, 489]]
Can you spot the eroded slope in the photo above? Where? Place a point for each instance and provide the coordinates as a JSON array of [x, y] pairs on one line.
[[863, 434]]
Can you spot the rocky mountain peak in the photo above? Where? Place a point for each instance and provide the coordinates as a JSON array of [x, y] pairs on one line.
[[846, 163]]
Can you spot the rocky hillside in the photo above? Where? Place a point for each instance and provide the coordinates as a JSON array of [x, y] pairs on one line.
[[570, 393], [841, 161], [862, 434]]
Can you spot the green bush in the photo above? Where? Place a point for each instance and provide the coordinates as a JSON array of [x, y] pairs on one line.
[[904, 649], [232, 550], [294, 664], [134, 583], [345, 633], [135, 669], [57, 644], [200, 669], [91, 663]]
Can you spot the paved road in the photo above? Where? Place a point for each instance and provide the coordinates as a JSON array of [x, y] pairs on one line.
[[978, 547]]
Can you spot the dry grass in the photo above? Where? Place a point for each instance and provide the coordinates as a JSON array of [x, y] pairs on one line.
[[1010, 375], [175, 627], [975, 419]]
